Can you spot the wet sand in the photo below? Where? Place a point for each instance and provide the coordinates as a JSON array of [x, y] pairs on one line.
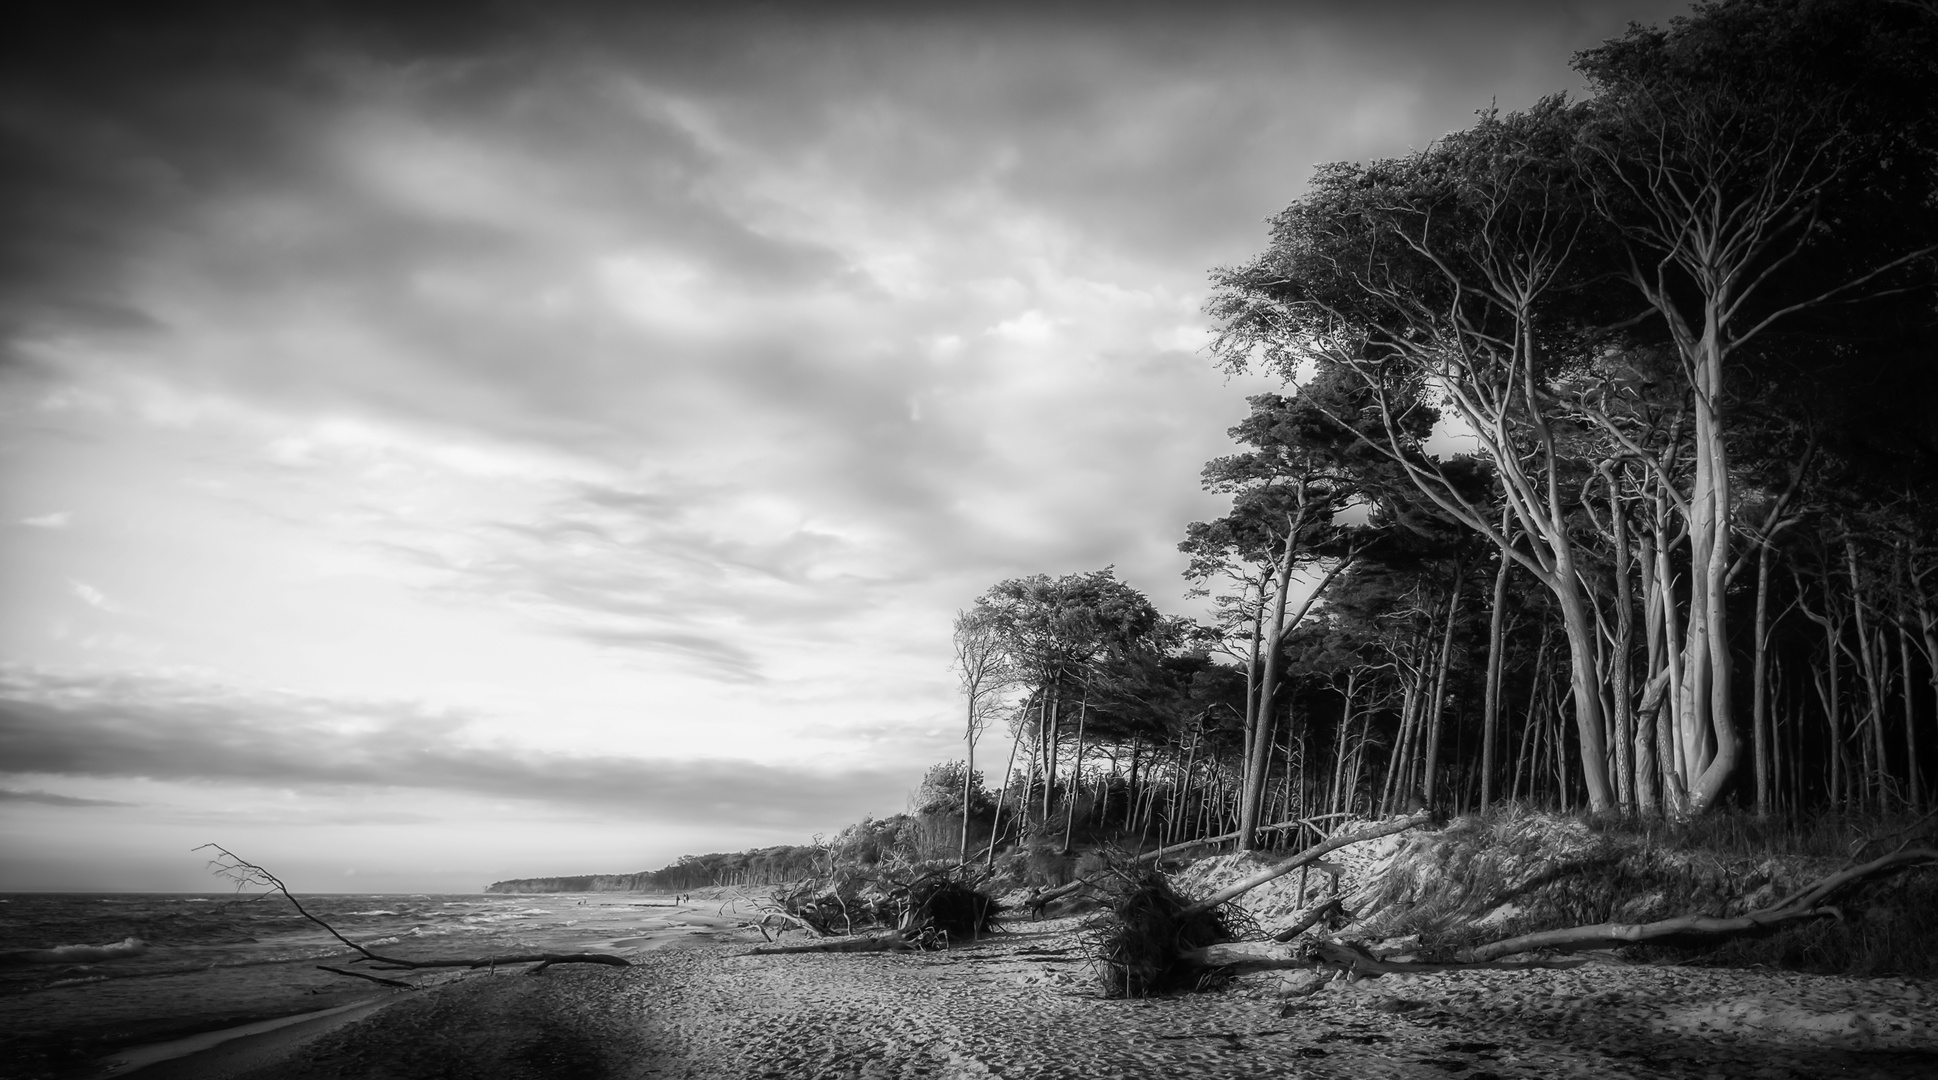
[[268, 1047]]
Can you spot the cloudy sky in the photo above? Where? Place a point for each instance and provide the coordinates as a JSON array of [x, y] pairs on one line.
[[514, 444]]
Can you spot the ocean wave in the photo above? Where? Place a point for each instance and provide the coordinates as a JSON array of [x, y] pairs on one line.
[[379, 911], [76, 954]]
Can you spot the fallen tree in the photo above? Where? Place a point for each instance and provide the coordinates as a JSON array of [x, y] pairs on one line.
[[1151, 939], [1241, 956], [249, 875], [1281, 953], [1806, 903], [1045, 897], [1307, 857], [890, 942]]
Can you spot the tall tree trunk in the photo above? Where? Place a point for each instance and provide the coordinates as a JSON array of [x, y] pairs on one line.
[[996, 823], [1648, 768], [1439, 699], [1181, 795], [1050, 735], [1621, 650], [1491, 711], [1760, 708], [1670, 721], [1867, 667], [1258, 733], [1710, 733], [1914, 792], [1076, 771]]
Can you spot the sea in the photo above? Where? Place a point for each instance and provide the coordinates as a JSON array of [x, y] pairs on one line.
[[86, 975]]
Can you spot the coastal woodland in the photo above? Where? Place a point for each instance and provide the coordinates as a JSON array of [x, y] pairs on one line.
[[1602, 479]]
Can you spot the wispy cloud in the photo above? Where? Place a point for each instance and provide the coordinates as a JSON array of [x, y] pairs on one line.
[[163, 728], [642, 373], [49, 798], [95, 598]]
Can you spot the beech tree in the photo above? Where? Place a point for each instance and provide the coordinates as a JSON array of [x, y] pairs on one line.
[[984, 667], [1432, 279], [1287, 491]]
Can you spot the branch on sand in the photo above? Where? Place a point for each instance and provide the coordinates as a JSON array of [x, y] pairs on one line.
[[1807, 903], [1243, 956], [893, 942], [1331, 908], [248, 875]]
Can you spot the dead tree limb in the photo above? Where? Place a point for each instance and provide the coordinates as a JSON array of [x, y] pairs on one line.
[[248, 875], [1242, 956], [1806, 903], [1308, 856], [874, 943], [1347, 956], [1153, 856], [1312, 918], [1062, 891], [399, 983]]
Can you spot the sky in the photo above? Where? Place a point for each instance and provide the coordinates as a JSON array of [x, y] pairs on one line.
[[463, 443]]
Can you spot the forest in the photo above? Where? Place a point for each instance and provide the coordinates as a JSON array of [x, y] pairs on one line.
[[1603, 478]]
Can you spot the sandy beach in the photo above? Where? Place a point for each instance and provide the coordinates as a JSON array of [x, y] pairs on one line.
[[1021, 1004]]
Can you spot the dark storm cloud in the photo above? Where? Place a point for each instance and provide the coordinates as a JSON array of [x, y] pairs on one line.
[[162, 729]]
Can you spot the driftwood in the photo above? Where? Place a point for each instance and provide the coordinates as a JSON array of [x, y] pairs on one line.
[[1354, 958], [398, 983], [1312, 918], [1248, 956], [246, 874], [1807, 903], [786, 919], [1153, 856], [874, 943], [1307, 857], [1241, 956]]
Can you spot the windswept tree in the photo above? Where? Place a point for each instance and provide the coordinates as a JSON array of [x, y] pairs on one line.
[[984, 667], [1443, 279], [1054, 630], [1288, 490]]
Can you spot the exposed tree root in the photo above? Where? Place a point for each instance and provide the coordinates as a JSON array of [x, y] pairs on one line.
[[247, 875]]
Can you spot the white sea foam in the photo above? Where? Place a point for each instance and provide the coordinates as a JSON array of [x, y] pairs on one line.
[[77, 954], [379, 911]]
